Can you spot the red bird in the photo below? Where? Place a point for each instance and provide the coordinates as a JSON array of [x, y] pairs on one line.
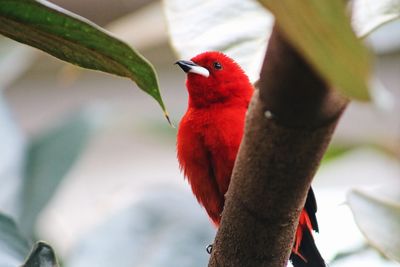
[[209, 136]]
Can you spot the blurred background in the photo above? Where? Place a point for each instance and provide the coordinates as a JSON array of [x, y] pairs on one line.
[[123, 200]]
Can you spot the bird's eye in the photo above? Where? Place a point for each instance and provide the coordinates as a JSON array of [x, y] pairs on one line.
[[217, 66]]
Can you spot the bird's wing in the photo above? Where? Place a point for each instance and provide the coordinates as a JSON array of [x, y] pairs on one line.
[[196, 163], [311, 208]]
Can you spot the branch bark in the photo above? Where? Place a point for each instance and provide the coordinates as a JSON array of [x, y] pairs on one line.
[[289, 124]]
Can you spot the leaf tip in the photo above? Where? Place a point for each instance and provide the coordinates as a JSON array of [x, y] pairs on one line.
[[168, 119]]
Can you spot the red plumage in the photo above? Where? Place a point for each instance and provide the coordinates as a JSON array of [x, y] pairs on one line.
[[209, 136]]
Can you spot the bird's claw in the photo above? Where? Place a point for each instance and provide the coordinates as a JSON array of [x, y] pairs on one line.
[[209, 248]]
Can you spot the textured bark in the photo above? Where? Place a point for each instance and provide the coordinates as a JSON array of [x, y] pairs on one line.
[[277, 160]]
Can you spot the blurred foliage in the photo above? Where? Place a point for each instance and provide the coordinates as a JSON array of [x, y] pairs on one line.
[[74, 39], [157, 130], [49, 158], [343, 255], [12, 145], [336, 151], [378, 216], [31, 171], [162, 229]]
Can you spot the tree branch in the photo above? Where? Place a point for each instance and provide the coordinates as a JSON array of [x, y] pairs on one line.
[[277, 160]]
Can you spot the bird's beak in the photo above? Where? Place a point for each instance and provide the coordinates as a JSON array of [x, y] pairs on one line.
[[190, 66]]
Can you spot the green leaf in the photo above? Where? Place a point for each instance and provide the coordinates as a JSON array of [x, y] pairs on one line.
[[13, 247], [74, 39], [378, 217], [321, 31], [49, 158], [42, 255], [239, 28], [369, 15]]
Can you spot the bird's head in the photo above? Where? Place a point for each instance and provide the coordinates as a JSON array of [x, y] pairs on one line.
[[213, 77]]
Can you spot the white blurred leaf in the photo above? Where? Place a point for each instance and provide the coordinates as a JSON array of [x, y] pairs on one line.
[[368, 15], [239, 28], [378, 217], [13, 247]]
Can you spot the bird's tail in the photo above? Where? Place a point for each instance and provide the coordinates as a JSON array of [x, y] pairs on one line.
[[305, 253]]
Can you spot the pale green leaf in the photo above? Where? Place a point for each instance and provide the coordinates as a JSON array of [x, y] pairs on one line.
[[321, 31]]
